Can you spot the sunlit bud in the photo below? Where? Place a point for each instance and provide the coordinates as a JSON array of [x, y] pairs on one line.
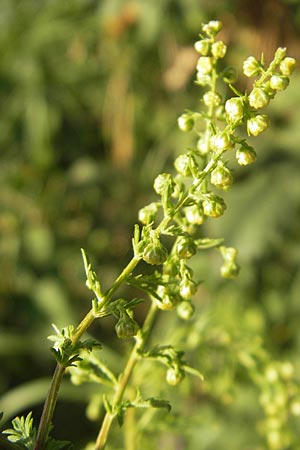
[[251, 67], [258, 98], [203, 80], [204, 65], [185, 310], [234, 108], [221, 176], [162, 182], [194, 214], [245, 155], [257, 124], [279, 83], [212, 28], [287, 66], [185, 247], [229, 254], [220, 141], [126, 327], [211, 99], [174, 376], [167, 301], [155, 253], [214, 206], [185, 122], [218, 49], [147, 214], [230, 270], [187, 288], [280, 53], [183, 164], [203, 46], [203, 146]]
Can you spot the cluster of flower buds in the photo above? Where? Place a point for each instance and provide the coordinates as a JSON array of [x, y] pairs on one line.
[[188, 198]]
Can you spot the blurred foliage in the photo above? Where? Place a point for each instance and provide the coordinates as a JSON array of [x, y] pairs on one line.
[[89, 96]]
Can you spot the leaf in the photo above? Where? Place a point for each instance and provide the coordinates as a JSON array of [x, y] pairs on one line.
[[22, 432], [208, 243]]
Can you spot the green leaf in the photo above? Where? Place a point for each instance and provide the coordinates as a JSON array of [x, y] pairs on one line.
[[22, 432], [208, 243]]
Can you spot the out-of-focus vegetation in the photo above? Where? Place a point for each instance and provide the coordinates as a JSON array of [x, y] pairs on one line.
[[89, 96]]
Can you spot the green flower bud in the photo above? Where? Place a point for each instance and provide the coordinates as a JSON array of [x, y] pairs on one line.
[[211, 99], [183, 164], [187, 288], [279, 83], [218, 49], [147, 214], [258, 98], [185, 247], [203, 46], [234, 108], [257, 124], [126, 327], [214, 206], [185, 122], [280, 54], [230, 270], [155, 253], [287, 66], [220, 141], [229, 253], [194, 214], [245, 155], [162, 182], [204, 65], [212, 27], [167, 301], [203, 146], [185, 310], [174, 376], [251, 67], [221, 176], [203, 80]]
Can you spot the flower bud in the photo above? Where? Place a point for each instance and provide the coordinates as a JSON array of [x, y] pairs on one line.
[[218, 49], [234, 108], [203, 146], [214, 206], [183, 164], [245, 155], [126, 327], [185, 310], [280, 53], [204, 65], [212, 27], [187, 288], [155, 253], [230, 270], [162, 182], [185, 247], [211, 99], [251, 67], [287, 66], [229, 254], [185, 122], [221, 176], [174, 376], [167, 301], [203, 80], [257, 124], [258, 98], [194, 214], [220, 141], [147, 214], [203, 46], [279, 83]]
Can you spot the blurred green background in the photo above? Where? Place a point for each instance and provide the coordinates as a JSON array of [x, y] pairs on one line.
[[90, 92]]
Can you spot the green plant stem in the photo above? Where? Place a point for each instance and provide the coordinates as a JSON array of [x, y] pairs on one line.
[[49, 407], [51, 399], [125, 377]]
